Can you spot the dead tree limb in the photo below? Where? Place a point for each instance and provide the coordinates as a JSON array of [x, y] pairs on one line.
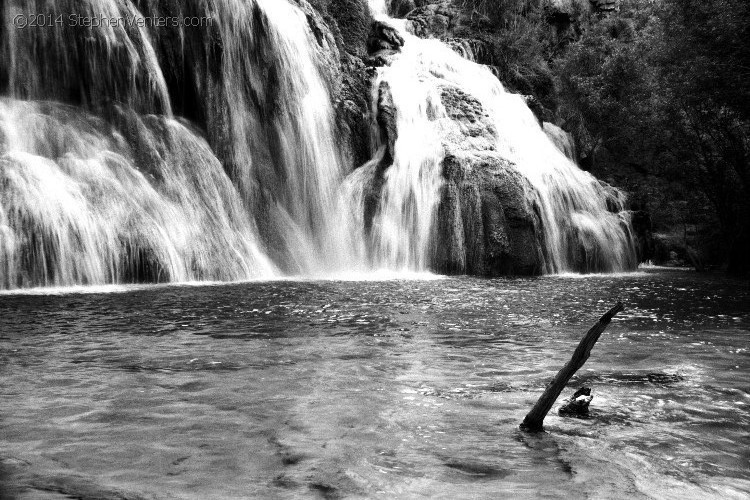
[[535, 418]]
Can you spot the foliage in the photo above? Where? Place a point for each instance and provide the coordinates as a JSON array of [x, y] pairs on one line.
[[518, 43], [660, 92]]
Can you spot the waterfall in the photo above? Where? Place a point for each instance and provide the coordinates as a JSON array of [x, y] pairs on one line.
[[133, 152], [282, 132], [402, 228], [584, 222], [110, 187], [84, 204]]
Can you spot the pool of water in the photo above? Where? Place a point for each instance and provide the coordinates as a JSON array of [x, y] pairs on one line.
[[394, 388]]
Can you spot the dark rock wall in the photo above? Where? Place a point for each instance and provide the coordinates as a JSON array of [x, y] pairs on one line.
[[349, 23], [487, 222]]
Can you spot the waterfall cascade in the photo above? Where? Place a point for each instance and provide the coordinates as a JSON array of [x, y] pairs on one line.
[[584, 222], [83, 203], [141, 196], [130, 152]]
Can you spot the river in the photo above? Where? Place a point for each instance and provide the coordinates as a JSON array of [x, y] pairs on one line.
[[375, 388]]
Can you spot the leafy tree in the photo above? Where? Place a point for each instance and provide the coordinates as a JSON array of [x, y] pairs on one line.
[[660, 92]]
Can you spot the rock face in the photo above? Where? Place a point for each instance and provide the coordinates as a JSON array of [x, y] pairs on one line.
[[487, 222], [437, 19], [383, 37], [341, 28]]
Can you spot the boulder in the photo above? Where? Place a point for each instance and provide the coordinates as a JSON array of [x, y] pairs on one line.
[[487, 222], [386, 119], [383, 37]]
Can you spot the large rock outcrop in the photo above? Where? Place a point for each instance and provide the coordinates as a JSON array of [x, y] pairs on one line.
[[487, 222]]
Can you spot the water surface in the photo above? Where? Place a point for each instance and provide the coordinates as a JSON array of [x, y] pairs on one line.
[[410, 389]]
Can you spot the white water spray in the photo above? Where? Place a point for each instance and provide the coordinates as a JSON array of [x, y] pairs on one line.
[[86, 202], [81, 205]]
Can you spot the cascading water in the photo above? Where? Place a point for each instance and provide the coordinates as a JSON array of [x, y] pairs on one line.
[[76, 209], [114, 189], [402, 228], [280, 128], [133, 152], [584, 222]]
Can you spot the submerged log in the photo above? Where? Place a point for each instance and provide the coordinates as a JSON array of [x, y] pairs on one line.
[[535, 418]]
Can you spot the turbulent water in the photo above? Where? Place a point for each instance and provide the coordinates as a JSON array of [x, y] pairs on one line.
[[211, 152], [392, 389]]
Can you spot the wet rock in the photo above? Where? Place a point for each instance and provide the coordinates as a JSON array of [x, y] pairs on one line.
[[383, 37], [400, 8], [436, 20], [352, 108], [487, 224], [341, 28], [386, 120], [381, 58], [577, 405], [319, 28], [476, 132], [487, 221]]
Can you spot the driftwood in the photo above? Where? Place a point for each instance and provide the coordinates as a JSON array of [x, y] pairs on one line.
[[535, 418]]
